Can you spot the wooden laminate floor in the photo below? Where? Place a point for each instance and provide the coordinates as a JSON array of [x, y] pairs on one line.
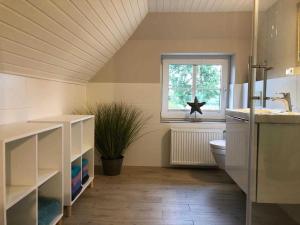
[[161, 196]]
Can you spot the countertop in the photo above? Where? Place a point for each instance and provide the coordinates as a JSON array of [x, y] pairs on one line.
[[266, 116]]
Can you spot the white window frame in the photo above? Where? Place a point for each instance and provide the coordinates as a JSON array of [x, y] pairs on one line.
[[185, 114]]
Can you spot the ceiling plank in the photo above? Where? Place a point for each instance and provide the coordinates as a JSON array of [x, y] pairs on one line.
[[29, 72], [28, 40], [205, 5], [24, 51], [20, 22], [123, 16], [66, 40], [112, 12], [16, 59], [111, 29]]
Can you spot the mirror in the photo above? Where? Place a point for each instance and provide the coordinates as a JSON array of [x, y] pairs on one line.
[[279, 38]]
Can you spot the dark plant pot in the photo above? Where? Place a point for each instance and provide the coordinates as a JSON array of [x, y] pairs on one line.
[[112, 167]]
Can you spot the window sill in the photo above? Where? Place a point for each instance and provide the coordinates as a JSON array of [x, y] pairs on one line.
[[198, 120]]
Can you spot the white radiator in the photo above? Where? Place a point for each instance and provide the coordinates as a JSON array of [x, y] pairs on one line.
[[191, 146]]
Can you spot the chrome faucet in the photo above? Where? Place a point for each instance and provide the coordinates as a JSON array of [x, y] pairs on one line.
[[286, 99]]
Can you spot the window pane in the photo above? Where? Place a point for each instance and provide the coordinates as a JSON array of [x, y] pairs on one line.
[[212, 98], [208, 85], [180, 86], [209, 76]]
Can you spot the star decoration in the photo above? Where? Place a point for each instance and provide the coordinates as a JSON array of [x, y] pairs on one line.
[[196, 106]]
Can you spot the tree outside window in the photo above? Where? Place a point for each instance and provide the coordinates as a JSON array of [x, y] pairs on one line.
[[188, 80]]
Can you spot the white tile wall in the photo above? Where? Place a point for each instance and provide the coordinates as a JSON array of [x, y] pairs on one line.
[[245, 95], [23, 98], [12, 92], [283, 84], [235, 96]]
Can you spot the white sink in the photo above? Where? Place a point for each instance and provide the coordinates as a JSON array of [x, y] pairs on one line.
[[260, 111], [289, 113], [266, 115], [267, 111]]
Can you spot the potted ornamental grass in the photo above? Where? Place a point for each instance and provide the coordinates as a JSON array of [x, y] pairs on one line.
[[117, 126]]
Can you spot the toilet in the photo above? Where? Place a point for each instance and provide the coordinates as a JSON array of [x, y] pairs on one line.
[[218, 149]]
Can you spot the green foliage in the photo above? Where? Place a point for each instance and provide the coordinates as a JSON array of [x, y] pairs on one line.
[[180, 85], [117, 125], [207, 83]]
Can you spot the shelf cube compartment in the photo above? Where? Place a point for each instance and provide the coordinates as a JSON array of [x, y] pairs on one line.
[[24, 212], [50, 201], [49, 154], [87, 166], [76, 140], [88, 127], [20, 169], [76, 170]]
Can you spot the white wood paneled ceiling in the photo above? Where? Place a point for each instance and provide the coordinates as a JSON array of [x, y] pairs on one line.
[[72, 39], [205, 5], [64, 39]]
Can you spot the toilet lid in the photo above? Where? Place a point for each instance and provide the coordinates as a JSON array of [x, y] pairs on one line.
[[220, 144]]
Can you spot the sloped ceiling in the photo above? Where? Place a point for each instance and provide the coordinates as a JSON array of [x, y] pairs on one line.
[[64, 39], [72, 39], [205, 5]]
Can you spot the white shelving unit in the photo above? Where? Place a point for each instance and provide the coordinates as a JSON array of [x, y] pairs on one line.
[[79, 144], [29, 164]]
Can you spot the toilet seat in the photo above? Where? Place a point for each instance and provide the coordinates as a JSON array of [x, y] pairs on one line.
[[218, 144]]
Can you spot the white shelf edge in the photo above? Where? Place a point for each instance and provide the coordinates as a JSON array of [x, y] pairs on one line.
[[56, 219], [84, 118], [64, 119], [15, 137], [45, 174], [83, 189], [75, 156], [85, 150], [16, 194]]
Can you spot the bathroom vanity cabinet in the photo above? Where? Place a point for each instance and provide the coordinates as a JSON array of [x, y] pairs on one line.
[[237, 144], [276, 160]]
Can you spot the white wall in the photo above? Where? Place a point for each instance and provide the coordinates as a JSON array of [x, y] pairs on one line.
[[153, 149], [139, 60], [24, 98], [148, 150]]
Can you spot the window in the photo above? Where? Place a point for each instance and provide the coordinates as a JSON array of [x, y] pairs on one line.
[[185, 78]]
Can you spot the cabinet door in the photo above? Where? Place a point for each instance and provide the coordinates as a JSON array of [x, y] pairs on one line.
[[237, 147], [278, 172]]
